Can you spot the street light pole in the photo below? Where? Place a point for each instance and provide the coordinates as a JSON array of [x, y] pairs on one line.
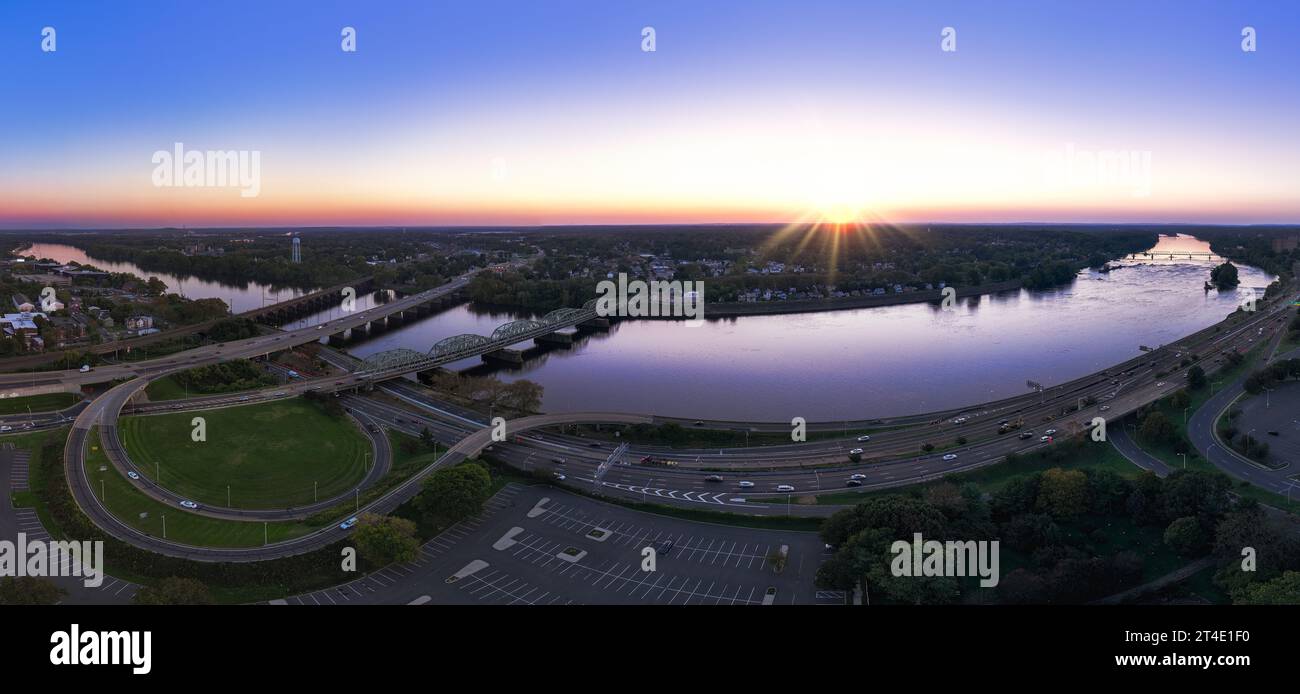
[[1184, 456]]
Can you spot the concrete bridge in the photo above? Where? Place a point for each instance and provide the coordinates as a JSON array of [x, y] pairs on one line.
[[397, 362]]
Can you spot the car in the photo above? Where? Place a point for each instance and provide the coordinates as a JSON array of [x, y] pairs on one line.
[[244, 399], [1026, 435], [1004, 422], [664, 548], [785, 487], [959, 420], [857, 476], [593, 444], [1160, 384], [85, 368], [647, 460], [1045, 439], [6, 428], [1272, 432], [347, 524], [189, 504], [950, 456], [279, 393], [855, 451], [1103, 408], [560, 476], [558, 460], [177, 407], [713, 478], [320, 327], [133, 474], [853, 483], [1050, 432], [699, 423], [746, 484], [864, 438]]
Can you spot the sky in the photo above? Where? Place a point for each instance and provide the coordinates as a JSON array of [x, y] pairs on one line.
[[526, 113]]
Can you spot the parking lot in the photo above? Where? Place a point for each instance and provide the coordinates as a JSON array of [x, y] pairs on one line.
[[545, 546]]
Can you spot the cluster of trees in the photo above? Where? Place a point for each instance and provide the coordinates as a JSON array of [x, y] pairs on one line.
[[1271, 375], [1057, 520], [29, 590], [1244, 443], [887, 255], [225, 377], [518, 396], [1224, 276], [448, 495], [233, 329], [174, 590], [1257, 556]]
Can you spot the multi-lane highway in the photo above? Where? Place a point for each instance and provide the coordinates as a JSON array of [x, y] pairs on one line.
[[892, 457]]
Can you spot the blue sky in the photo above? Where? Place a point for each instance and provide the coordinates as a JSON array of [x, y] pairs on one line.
[[740, 105]]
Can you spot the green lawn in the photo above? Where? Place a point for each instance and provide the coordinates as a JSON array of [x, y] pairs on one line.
[[127, 504], [48, 402], [165, 389], [270, 454]]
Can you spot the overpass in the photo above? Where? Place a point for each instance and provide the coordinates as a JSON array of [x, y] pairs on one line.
[[397, 362], [1170, 255], [275, 314]]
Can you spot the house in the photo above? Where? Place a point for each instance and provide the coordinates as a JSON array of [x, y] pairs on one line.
[[139, 322]]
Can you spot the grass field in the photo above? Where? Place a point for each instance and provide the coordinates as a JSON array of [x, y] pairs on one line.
[[127, 504], [270, 454], [165, 389], [48, 402]]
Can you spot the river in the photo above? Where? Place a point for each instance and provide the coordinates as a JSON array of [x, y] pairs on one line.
[[864, 362]]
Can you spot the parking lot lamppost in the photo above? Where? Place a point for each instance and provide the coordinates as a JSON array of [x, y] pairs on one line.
[[1185, 409], [358, 495], [164, 519], [1184, 456]]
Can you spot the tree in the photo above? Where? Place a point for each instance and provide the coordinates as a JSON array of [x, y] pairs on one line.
[[1283, 590], [29, 590], [1063, 493], [1156, 428], [452, 494], [1225, 276], [1186, 536], [383, 540], [1196, 377], [426, 437], [174, 591]]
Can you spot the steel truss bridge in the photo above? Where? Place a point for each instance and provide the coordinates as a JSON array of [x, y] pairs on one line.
[[396, 362]]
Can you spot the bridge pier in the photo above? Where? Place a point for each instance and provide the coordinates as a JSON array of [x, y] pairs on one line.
[[337, 340], [554, 339], [508, 356], [599, 323]]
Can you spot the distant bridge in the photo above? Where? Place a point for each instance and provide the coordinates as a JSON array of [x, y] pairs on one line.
[[1171, 255], [396, 362]]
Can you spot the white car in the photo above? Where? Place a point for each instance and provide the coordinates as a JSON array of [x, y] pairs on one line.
[[133, 474], [864, 438], [6, 428], [856, 451], [189, 504], [746, 485], [1049, 432], [785, 487], [950, 456], [857, 476], [1160, 384], [1044, 439], [1103, 408], [560, 476]]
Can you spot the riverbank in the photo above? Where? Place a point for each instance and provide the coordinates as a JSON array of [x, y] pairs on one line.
[[737, 308]]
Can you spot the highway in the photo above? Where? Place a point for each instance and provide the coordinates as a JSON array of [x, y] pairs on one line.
[[894, 457]]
